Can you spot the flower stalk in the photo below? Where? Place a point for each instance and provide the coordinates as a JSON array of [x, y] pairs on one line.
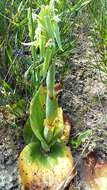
[[31, 26], [50, 81]]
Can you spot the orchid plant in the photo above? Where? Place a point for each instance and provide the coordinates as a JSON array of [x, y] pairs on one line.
[[46, 162]]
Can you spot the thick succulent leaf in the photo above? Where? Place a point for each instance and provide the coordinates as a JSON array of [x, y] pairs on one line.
[[54, 128], [66, 131], [59, 124], [37, 115]]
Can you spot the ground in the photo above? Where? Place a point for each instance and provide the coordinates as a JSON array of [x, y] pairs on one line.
[[84, 100]]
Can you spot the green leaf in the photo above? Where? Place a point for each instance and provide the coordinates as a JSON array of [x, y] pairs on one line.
[[6, 85], [47, 61], [33, 154], [60, 124], [51, 107], [54, 128], [81, 138], [58, 131], [57, 35], [37, 115], [42, 42], [79, 5], [48, 26]]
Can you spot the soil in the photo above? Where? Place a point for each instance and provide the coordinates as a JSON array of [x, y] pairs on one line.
[[9, 151], [84, 100]]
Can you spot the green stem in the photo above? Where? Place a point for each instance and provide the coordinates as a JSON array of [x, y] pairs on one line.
[[50, 104], [32, 34], [31, 31]]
